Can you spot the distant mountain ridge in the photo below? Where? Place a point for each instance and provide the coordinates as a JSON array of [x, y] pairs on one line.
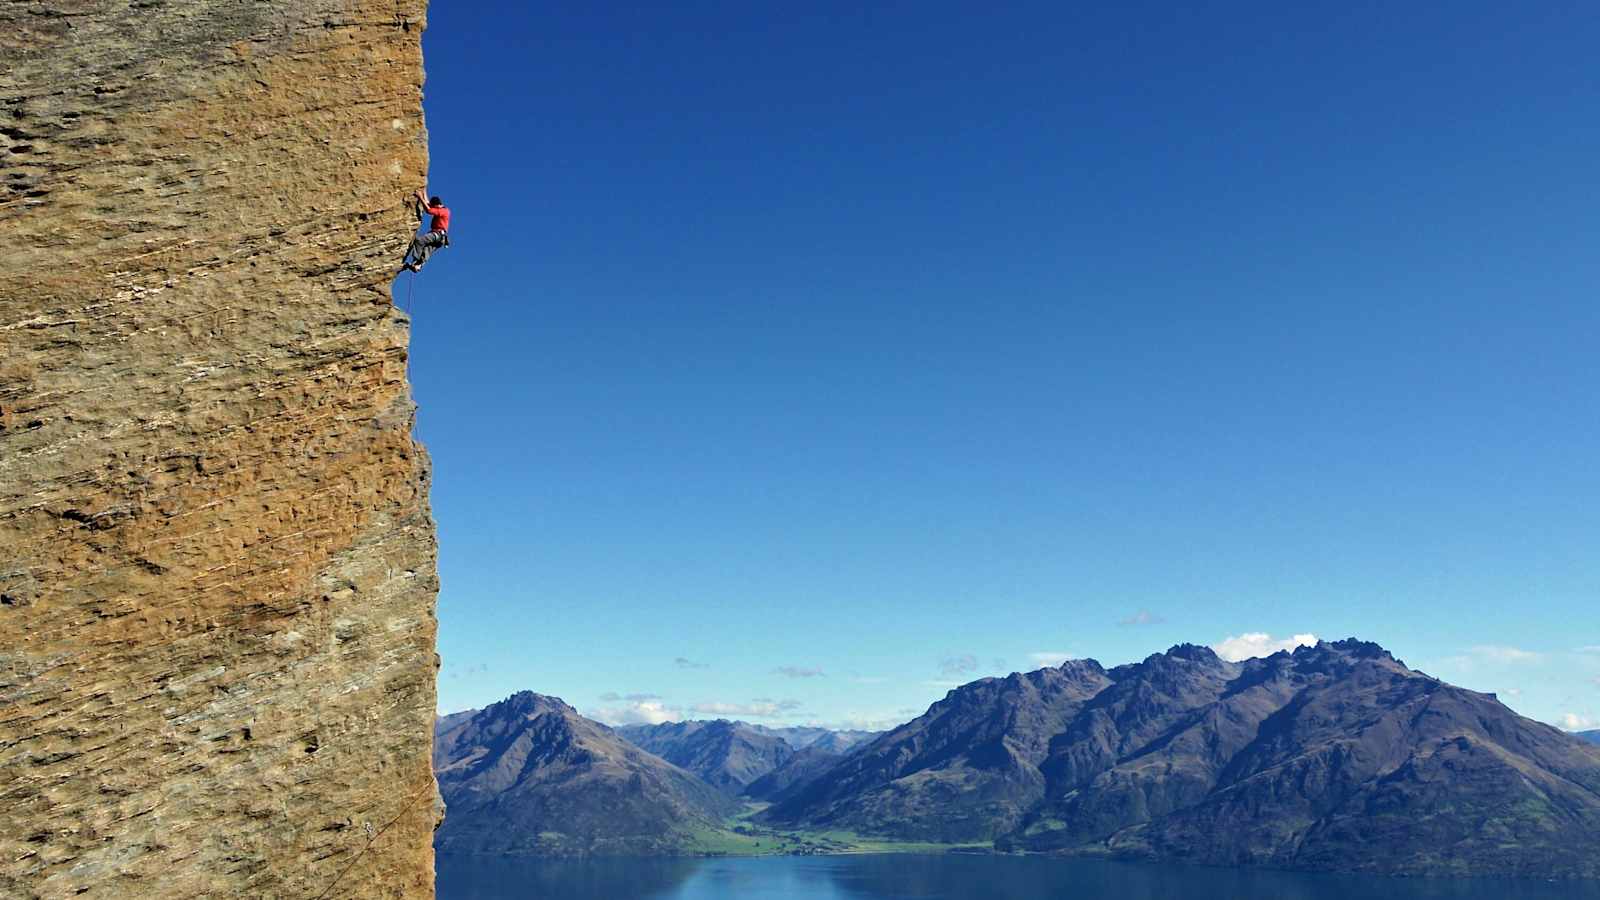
[[530, 776], [727, 755], [1592, 737], [1331, 757], [835, 740], [732, 755]]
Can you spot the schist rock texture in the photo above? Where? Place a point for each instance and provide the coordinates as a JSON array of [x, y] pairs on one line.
[[529, 776], [217, 569], [1333, 757]]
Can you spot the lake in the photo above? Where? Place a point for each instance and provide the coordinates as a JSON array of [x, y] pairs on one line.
[[947, 877]]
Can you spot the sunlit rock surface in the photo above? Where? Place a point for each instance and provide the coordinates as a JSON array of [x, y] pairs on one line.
[[217, 573]]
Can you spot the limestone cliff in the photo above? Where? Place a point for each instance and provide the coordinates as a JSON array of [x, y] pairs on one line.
[[217, 569]]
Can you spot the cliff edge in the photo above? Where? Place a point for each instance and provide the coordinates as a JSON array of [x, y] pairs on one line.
[[217, 575]]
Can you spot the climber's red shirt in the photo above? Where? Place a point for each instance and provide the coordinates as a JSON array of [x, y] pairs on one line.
[[441, 217]]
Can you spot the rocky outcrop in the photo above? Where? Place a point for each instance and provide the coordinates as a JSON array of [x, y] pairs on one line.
[[216, 561]]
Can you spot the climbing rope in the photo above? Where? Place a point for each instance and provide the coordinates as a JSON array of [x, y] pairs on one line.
[[411, 284], [372, 838]]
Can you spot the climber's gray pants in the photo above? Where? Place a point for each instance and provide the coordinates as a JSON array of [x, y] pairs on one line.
[[423, 247]]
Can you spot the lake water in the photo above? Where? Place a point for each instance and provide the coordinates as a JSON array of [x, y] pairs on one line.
[[950, 877]]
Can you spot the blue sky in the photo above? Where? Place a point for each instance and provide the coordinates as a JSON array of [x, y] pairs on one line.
[[796, 364]]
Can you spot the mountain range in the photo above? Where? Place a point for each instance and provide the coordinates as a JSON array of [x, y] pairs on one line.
[[530, 776], [1333, 757], [802, 736], [1336, 756], [734, 756], [726, 755]]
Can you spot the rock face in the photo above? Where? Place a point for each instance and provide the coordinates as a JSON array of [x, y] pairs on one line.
[[217, 570], [529, 776], [1333, 757]]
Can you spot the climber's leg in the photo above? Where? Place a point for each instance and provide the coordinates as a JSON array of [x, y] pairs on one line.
[[423, 247]]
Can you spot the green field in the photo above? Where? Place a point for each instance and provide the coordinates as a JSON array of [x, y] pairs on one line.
[[742, 837]]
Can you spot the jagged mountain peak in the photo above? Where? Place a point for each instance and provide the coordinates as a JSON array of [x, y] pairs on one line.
[[1181, 662], [529, 703], [1193, 653], [1081, 668], [1355, 648], [1334, 658]]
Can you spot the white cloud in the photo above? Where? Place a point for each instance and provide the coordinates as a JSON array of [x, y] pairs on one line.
[[685, 663], [1490, 655], [952, 666], [1576, 722], [872, 721], [1049, 658], [799, 672], [1259, 643], [759, 708], [638, 712], [1502, 654], [1142, 617], [1591, 650]]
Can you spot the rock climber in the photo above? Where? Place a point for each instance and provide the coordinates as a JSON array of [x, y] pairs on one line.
[[438, 234]]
